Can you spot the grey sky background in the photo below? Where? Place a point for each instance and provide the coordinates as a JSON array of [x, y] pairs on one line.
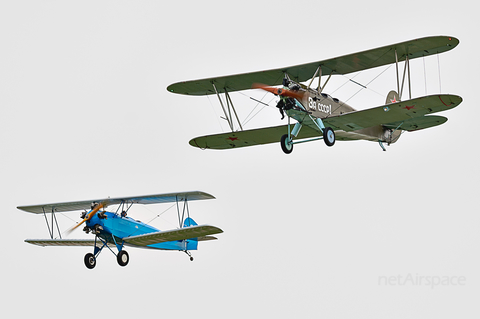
[[85, 114]]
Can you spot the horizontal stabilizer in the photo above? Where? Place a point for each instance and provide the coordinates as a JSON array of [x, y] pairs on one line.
[[173, 235], [206, 238], [418, 123]]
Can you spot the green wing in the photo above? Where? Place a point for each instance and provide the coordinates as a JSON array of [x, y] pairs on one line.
[[418, 123], [408, 115], [248, 138], [341, 65]]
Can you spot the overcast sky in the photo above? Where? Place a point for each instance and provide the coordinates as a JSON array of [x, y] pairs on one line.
[[341, 232]]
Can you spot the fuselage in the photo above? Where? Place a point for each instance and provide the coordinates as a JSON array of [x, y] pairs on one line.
[[322, 105], [113, 227]]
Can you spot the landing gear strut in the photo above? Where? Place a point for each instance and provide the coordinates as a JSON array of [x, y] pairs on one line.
[[328, 137], [189, 254]]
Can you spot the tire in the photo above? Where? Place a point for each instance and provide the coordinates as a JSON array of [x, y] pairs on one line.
[[287, 147], [90, 260], [123, 258], [329, 136]]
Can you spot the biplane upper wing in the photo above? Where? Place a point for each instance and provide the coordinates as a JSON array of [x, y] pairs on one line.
[[200, 231], [408, 115], [341, 65], [145, 200]]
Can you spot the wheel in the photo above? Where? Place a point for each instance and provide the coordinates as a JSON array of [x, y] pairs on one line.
[[329, 136], [286, 143], [90, 260], [191, 258], [122, 258]]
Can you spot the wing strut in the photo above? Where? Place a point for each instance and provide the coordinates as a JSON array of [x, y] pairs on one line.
[[320, 89], [318, 73], [185, 207], [319, 69], [405, 71], [230, 103], [221, 103], [50, 226], [230, 107]]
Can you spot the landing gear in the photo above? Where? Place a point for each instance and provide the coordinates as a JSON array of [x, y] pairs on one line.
[[189, 254], [329, 136], [381, 145], [90, 260], [123, 258], [286, 143]]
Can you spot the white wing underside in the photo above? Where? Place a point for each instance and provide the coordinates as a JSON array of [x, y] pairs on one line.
[[145, 200], [201, 232]]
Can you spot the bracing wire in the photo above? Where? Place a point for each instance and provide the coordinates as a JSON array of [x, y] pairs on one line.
[[216, 115], [249, 119], [425, 75], [366, 86], [439, 77], [148, 223]]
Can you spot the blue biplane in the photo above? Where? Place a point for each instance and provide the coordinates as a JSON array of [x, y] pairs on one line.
[[116, 229]]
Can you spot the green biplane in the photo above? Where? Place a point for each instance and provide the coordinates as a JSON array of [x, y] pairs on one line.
[[317, 115]]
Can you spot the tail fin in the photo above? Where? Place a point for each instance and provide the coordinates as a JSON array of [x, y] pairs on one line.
[[192, 243], [189, 222], [392, 97]]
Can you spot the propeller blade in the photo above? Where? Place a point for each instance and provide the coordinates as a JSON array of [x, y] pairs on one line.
[[278, 91], [88, 217]]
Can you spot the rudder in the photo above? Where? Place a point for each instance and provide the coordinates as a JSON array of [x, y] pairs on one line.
[[189, 222], [392, 97]]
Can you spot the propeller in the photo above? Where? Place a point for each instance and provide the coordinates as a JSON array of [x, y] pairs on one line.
[[88, 216], [279, 91]]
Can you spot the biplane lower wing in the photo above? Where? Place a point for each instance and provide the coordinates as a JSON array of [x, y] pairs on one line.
[[266, 135], [64, 242], [246, 138], [408, 115], [200, 231]]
